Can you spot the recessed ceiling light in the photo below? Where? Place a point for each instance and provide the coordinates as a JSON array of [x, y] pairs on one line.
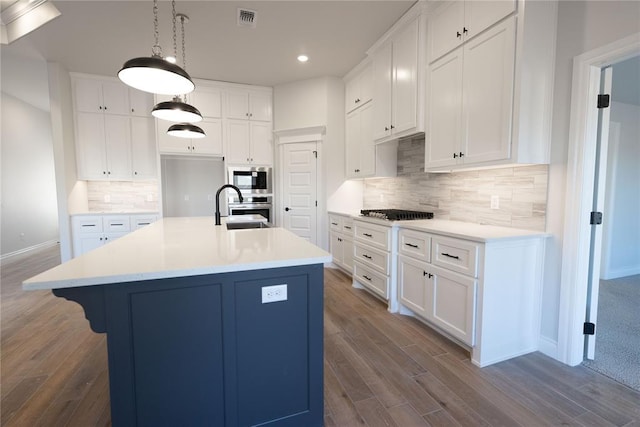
[[303, 58]]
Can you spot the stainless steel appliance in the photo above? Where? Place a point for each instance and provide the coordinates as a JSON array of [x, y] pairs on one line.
[[252, 204], [396, 214], [251, 180]]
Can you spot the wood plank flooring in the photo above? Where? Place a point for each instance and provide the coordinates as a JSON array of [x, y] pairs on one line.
[[380, 369]]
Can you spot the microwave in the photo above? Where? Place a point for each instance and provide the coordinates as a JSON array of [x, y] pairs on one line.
[[251, 179]]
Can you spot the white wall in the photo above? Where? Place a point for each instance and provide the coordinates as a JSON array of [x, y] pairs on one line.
[[582, 26], [320, 102], [621, 232], [29, 211]]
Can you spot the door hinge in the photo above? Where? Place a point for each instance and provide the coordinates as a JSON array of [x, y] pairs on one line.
[[315, 153], [595, 218], [589, 328], [603, 100]]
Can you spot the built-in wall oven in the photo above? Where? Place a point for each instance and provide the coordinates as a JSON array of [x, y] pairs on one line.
[[251, 179], [252, 204]]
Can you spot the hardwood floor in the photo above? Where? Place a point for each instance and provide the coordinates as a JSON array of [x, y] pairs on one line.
[[380, 369]]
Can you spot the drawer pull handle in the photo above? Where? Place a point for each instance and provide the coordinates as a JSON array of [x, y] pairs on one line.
[[88, 225], [117, 225], [366, 256], [334, 223], [412, 245], [144, 223], [451, 256], [424, 273], [366, 277], [347, 227], [367, 234]]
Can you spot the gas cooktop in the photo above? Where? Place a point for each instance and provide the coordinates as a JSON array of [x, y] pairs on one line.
[[396, 214]]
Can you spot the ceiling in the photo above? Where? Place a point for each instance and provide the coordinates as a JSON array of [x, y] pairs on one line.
[[97, 37]]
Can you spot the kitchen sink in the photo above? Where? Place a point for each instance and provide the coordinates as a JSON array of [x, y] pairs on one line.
[[245, 225]]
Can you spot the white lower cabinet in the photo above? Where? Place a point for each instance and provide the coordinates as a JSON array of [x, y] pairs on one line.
[[485, 295], [92, 231], [341, 241]]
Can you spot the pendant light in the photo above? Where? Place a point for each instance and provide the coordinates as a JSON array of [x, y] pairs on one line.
[[184, 130], [154, 74], [176, 110]]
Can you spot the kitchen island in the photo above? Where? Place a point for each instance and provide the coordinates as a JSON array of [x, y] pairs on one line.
[[192, 338]]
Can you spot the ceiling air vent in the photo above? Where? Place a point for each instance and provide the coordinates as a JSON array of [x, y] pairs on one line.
[[247, 18]]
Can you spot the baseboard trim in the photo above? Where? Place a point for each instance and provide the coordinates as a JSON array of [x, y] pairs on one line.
[[621, 272], [548, 347], [43, 245]]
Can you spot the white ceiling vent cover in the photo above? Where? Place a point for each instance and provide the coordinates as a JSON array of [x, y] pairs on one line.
[[247, 18]]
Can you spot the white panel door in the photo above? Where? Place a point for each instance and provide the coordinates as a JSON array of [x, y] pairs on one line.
[[92, 156], [237, 141], [300, 190], [143, 148], [382, 83], [118, 142], [487, 90], [261, 143], [415, 286]]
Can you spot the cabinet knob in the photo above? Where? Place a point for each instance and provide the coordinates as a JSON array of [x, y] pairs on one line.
[[461, 154], [109, 173], [455, 155], [133, 110], [246, 114], [105, 108], [287, 209], [464, 30], [250, 114], [135, 173], [393, 127], [100, 108], [424, 273], [458, 35], [104, 172], [101, 238], [247, 159], [386, 128]]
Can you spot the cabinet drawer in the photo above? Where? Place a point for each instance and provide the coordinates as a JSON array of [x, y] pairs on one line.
[[335, 223], [456, 255], [415, 244], [376, 282], [374, 235], [87, 224], [373, 258], [139, 221], [347, 226], [116, 224]]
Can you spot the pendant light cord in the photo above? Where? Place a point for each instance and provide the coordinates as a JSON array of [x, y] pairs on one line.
[[156, 50], [175, 42]]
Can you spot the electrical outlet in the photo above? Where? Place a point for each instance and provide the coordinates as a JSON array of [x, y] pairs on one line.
[[495, 202], [274, 293]]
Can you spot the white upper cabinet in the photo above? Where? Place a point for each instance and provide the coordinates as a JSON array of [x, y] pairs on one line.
[[470, 100], [210, 145], [143, 148], [397, 82], [457, 21], [208, 101], [99, 96], [359, 89], [489, 100], [360, 152], [249, 142], [249, 105], [140, 103]]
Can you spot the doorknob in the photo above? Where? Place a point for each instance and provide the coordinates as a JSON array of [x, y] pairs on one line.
[[287, 209]]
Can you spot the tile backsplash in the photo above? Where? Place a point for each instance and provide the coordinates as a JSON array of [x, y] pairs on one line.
[[118, 196], [462, 196]]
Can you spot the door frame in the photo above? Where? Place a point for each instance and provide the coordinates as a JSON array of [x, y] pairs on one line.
[[295, 136], [579, 191]]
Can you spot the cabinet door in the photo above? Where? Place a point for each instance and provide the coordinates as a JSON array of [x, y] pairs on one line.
[[479, 16], [336, 248], [487, 89], [212, 143], [347, 253], [118, 145], [86, 243], [367, 153], [88, 95], [404, 92], [140, 103], [444, 111], [170, 144], [415, 287], [237, 105], [359, 90], [352, 151], [90, 143], [260, 106], [446, 28], [237, 142], [143, 148], [454, 304], [115, 97], [382, 92], [208, 101], [352, 94], [261, 147]]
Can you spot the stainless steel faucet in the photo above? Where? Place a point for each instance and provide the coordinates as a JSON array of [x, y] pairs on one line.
[[218, 199]]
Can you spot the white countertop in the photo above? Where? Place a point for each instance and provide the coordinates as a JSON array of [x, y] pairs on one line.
[[179, 247], [122, 212], [462, 230]]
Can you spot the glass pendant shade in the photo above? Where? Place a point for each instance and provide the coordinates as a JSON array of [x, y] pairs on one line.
[[186, 130], [155, 75], [176, 111]]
